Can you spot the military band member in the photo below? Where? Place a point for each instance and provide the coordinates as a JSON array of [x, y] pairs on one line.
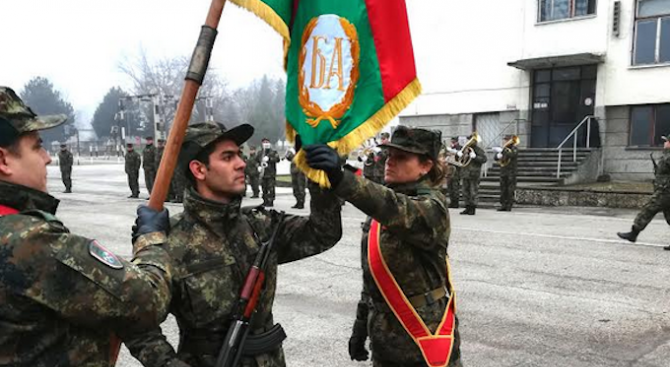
[[507, 156], [64, 296], [65, 161], [213, 244], [659, 201], [133, 164], [253, 175], [149, 163], [454, 180], [298, 181], [267, 159], [404, 251], [471, 175]]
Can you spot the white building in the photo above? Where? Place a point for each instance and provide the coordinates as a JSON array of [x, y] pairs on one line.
[[544, 65]]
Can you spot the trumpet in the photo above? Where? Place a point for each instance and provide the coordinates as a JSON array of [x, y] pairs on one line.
[[462, 157], [510, 143]]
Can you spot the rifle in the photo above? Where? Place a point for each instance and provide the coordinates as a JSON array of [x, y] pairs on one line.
[[653, 161], [237, 341]]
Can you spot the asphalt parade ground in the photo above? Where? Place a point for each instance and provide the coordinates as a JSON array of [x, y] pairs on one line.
[[535, 287]]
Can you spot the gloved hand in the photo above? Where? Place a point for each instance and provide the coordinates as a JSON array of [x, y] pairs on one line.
[[357, 350], [149, 221], [260, 169], [298, 143], [459, 154], [497, 149], [473, 155], [266, 159], [499, 156], [452, 150], [323, 157]]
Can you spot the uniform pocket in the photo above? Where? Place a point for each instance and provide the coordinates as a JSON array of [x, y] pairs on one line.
[[212, 289]]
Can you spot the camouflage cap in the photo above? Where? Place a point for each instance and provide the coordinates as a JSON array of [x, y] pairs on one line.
[[198, 136], [417, 141], [16, 118]]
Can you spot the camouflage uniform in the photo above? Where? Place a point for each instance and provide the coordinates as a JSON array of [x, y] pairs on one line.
[[253, 176], [660, 200], [65, 161], [380, 166], [471, 176], [414, 236], [269, 179], [64, 295], [150, 165], [178, 185], [298, 182], [133, 164], [213, 245], [454, 185], [508, 178], [369, 166]]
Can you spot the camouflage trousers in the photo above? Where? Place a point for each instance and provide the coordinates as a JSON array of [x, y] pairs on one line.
[[149, 178], [66, 176], [133, 183], [454, 190], [659, 202], [298, 181], [507, 189], [269, 184], [471, 190], [252, 180]]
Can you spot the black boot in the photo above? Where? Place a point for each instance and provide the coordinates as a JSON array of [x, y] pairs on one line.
[[666, 248], [453, 205], [466, 211], [472, 210], [630, 236]]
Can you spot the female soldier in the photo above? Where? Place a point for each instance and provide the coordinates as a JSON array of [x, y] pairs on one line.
[[406, 304]]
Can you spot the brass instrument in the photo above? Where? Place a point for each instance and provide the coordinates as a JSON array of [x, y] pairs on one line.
[[510, 143], [464, 159]]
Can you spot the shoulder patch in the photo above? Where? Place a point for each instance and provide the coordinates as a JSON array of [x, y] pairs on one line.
[[103, 255]]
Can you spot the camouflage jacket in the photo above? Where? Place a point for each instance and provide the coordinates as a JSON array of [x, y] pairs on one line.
[[380, 165], [294, 167], [65, 160], [159, 156], [414, 239], [252, 166], [273, 159], [149, 161], [213, 246], [474, 169], [133, 162], [511, 153], [59, 302], [662, 173]]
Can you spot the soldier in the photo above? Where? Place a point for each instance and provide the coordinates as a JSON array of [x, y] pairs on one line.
[[177, 186], [149, 163], [159, 152], [65, 161], [252, 173], [380, 161], [267, 159], [64, 295], [471, 175], [213, 244], [659, 201], [133, 163], [404, 251], [454, 187], [507, 157], [298, 181]]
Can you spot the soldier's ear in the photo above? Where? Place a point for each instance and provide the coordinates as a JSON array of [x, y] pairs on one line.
[[198, 170], [4, 165]]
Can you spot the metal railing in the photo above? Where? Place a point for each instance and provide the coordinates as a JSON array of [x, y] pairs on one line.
[[574, 135], [490, 160]]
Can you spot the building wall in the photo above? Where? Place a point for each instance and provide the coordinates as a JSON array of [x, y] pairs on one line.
[[620, 162]]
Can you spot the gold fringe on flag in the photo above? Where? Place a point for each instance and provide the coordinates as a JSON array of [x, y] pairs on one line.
[[358, 136], [263, 11]]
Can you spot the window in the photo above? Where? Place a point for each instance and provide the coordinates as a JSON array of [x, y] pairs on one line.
[[652, 32], [564, 9], [648, 123]]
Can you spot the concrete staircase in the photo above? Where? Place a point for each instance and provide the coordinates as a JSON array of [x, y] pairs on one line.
[[536, 167]]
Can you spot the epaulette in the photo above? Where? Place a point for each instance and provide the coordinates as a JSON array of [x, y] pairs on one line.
[[176, 219], [46, 216]]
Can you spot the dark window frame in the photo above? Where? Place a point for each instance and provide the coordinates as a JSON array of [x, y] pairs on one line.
[[657, 44], [653, 134], [573, 11]]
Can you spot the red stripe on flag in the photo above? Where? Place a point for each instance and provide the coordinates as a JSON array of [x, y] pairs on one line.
[[393, 41], [296, 3]]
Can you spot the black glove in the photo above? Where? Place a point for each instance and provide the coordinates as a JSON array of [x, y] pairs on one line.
[[357, 350], [297, 144], [325, 158], [149, 220]]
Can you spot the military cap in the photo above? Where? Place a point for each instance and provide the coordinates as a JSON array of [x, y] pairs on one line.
[[63, 145], [415, 140], [385, 135], [265, 139], [129, 145], [508, 137], [199, 136], [454, 138], [16, 118], [149, 138]]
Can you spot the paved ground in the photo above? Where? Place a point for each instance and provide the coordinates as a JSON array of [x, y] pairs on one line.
[[536, 287]]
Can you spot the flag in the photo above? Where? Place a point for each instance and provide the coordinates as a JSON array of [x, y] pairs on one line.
[[350, 68]]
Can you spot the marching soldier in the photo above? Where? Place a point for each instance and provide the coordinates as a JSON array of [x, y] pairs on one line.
[[471, 175], [454, 186], [65, 161], [507, 158], [213, 244], [64, 296], [659, 201], [267, 159], [380, 161], [298, 181], [404, 253], [149, 163], [252, 173], [133, 164]]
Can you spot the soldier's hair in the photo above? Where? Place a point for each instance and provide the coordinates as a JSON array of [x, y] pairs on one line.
[[202, 157], [437, 174]]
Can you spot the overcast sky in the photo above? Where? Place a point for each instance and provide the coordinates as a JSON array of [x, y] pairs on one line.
[[78, 44]]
